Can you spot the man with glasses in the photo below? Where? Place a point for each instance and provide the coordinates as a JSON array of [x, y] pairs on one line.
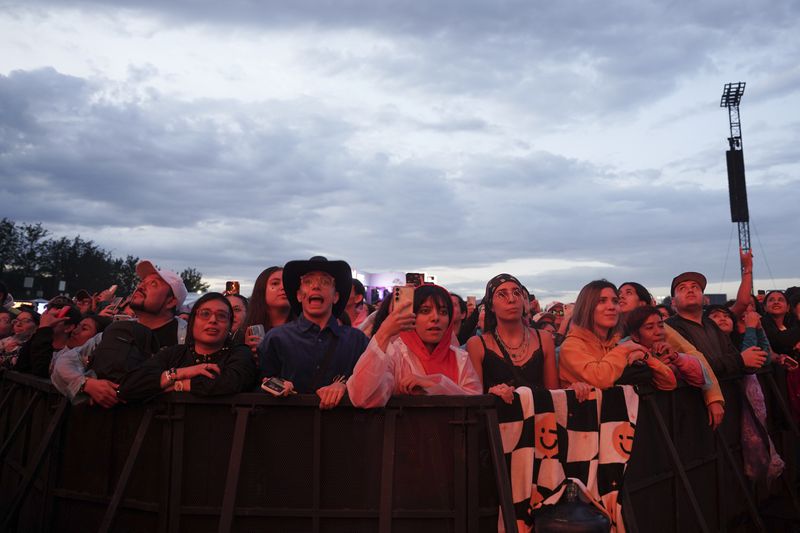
[[314, 353]]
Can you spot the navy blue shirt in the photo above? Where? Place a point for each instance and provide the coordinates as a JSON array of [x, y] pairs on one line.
[[296, 349]]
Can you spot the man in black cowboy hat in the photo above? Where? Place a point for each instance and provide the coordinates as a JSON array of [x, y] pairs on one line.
[[314, 353]]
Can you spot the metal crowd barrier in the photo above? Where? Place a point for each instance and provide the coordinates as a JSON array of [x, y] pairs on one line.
[[684, 477], [251, 462], [248, 462]]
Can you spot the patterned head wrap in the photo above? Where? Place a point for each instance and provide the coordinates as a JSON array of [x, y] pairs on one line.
[[490, 319]]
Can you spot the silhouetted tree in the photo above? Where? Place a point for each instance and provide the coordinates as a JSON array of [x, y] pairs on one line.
[[125, 270], [193, 280]]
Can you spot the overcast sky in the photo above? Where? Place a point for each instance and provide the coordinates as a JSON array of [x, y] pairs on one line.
[[558, 141]]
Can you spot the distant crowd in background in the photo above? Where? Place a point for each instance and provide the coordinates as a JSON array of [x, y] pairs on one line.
[[307, 328]]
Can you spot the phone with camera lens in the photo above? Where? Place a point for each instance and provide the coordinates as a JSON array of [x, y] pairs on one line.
[[402, 295], [232, 287], [274, 386]]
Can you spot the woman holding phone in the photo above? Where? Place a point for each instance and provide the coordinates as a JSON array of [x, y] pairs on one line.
[[412, 353], [207, 364]]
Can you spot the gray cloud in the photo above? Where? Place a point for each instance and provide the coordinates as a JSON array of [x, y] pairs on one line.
[[232, 186]]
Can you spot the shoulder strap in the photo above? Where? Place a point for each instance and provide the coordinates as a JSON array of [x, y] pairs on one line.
[[326, 362], [518, 377], [484, 344]]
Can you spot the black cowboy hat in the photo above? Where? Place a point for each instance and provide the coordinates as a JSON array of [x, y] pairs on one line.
[[340, 270]]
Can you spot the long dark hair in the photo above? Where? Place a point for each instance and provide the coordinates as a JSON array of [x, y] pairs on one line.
[[207, 297], [258, 310], [789, 319], [641, 292]]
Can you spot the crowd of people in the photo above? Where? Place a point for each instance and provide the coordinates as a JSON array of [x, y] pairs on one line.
[[307, 328]]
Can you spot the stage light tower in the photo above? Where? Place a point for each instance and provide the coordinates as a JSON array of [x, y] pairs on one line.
[[737, 188]]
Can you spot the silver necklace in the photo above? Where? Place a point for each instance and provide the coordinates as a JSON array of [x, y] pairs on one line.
[[523, 344]]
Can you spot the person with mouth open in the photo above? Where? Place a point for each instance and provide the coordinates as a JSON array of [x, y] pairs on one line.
[[414, 352], [208, 364], [314, 353]]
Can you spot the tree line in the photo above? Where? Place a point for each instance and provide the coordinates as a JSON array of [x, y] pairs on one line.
[[33, 264]]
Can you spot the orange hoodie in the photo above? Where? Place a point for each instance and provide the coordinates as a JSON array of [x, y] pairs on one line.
[[585, 357]]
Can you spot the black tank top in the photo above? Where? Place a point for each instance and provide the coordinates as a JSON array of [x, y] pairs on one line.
[[497, 369]]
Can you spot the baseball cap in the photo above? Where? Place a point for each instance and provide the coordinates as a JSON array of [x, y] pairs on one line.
[[697, 277], [145, 268]]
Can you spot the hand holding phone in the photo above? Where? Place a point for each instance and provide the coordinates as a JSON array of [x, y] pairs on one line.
[[277, 386], [472, 303], [256, 330], [401, 296], [790, 363], [114, 305], [232, 287]]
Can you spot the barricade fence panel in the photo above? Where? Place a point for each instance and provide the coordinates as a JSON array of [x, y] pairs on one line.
[[253, 462]]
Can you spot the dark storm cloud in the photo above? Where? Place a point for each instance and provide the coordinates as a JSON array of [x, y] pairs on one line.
[[282, 184], [233, 187], [562, 62]]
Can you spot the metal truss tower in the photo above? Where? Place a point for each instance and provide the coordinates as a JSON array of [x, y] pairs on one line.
[[737, 188]]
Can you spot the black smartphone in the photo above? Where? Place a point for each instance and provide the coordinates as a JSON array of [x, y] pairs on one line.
[[415, 279]]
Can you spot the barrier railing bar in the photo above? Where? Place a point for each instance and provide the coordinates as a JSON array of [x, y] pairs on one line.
[[8, 395], [166, 459], [751, 505], [295, 512], [36, 462], [787, 413], [676, 494], [459, 457], [176, 476], [792, 494], [473, 482], [387, 471], [51, 479], [722, 525], [316, 470], [127, 469], [636, 486], [676, 463], [627, 513], [234, 465], [126, 503], [501, 476], [22, 419]]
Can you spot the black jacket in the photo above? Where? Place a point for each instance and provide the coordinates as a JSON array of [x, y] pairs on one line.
[[237, 372]]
